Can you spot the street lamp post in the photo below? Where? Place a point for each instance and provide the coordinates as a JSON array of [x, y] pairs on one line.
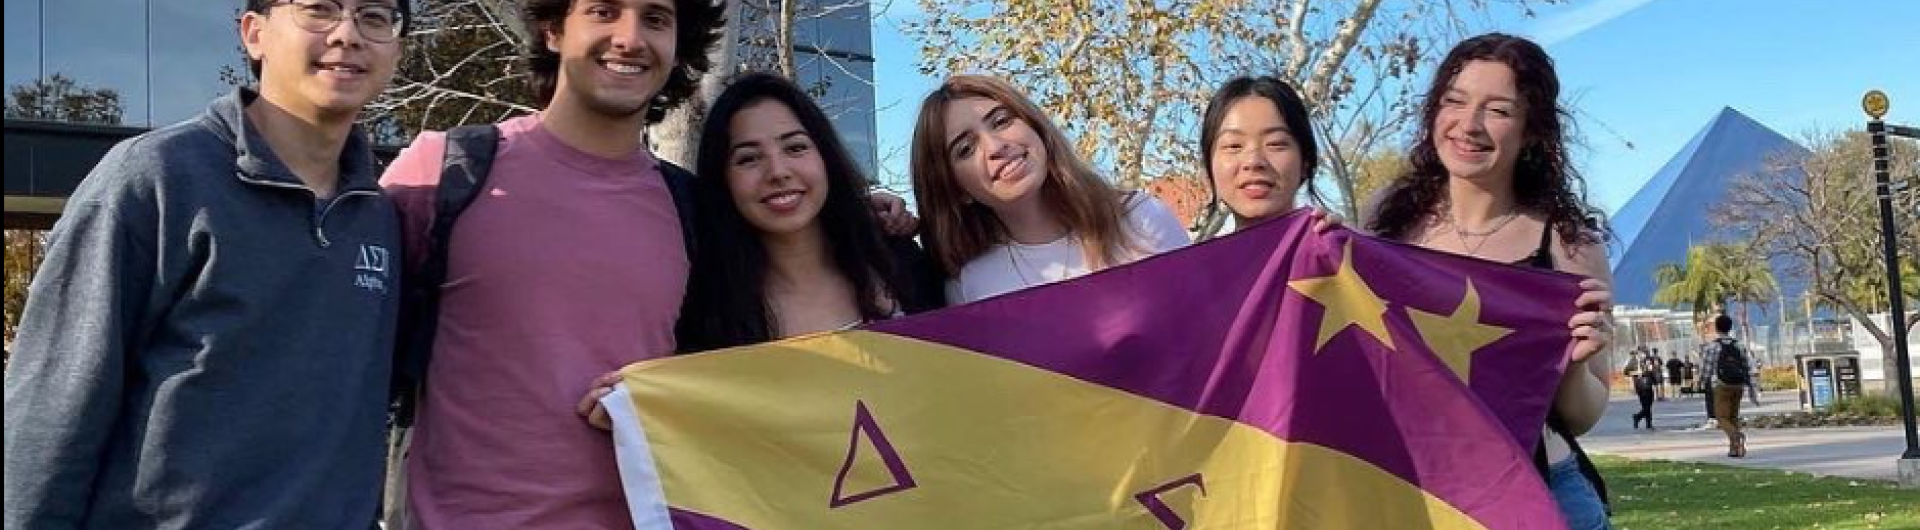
[[1876, 105]]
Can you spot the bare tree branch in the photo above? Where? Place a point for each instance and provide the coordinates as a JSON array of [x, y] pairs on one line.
[[1336, 53], [1297, 47], [504, 16]]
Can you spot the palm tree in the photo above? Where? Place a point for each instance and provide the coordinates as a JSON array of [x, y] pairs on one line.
[[1692, 284], [1713, 276], [1673, 287]]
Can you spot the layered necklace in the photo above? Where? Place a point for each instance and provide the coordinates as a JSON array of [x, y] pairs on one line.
[[1473, 249]]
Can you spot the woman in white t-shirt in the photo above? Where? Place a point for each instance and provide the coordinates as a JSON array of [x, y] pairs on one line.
[[1008, 204]]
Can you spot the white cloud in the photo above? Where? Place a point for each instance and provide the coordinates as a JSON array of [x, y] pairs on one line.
[[1570, 24]]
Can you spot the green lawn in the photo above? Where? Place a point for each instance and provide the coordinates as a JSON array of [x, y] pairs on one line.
[[1660, 495]]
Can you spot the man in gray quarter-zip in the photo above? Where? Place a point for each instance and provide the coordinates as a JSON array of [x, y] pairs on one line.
[[208, 342]]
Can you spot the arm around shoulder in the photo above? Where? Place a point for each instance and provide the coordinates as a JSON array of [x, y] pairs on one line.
[[411, 180], [1157, 227]]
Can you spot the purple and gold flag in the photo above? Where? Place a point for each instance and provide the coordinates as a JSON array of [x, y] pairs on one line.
[[1276, 378]]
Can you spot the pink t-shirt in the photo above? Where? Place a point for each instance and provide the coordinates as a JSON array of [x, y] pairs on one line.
[[567, 266]]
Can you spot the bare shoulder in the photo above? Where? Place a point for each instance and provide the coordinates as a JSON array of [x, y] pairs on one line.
[[1586, 258]]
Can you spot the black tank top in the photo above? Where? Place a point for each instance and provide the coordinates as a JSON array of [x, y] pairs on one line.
[[1542, 258]]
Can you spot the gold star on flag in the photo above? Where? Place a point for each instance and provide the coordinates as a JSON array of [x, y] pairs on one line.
[[1455, 337], [1349, 302]]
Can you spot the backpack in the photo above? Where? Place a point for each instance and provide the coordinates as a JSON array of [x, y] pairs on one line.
[[1730, 365], [463, 173]]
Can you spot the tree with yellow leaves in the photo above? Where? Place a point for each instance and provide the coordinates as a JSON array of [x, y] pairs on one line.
[[1128, 77]]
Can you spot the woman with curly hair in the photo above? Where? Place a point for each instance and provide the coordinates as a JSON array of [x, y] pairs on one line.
[[1491, 178]]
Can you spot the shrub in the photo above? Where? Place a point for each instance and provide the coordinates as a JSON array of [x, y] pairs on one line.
[[1869, 406], [1779, 378]]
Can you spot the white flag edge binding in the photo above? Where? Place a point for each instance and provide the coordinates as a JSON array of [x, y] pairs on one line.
[[638, 475]]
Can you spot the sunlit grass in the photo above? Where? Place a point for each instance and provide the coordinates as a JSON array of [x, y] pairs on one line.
[[1658, 495]]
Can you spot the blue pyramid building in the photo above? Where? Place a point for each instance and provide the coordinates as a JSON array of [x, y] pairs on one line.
[[1671, 212]]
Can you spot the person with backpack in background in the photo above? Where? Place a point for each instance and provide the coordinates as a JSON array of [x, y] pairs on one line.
[[1731, 372], [1641, 367]]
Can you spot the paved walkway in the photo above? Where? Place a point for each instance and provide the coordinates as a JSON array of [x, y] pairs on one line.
[[1860, 452]]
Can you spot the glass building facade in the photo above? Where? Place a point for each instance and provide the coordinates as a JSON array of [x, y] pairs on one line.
[[833, 60], [163, 61]]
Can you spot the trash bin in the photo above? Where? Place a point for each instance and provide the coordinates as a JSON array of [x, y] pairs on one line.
[[1827, 378], [1846, 376]]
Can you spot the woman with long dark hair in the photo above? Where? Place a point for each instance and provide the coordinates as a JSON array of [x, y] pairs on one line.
[[790, 242], [1491, 178], [795, 248]]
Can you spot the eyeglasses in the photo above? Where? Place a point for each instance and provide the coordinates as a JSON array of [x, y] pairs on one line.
[[377, 22]]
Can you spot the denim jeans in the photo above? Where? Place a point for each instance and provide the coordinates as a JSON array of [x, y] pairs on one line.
[[1577, 498]]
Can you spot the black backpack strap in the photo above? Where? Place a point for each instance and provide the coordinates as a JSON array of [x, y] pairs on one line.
[[1559, 428], [469, 158], [680, 185]]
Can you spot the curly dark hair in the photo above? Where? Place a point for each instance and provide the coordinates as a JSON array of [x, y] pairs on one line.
[[1544, 180], [697, 27]]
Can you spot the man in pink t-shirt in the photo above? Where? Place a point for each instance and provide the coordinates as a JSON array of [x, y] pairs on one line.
[[567, 265]]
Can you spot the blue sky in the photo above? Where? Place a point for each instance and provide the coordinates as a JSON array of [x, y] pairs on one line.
[[1649, 72]]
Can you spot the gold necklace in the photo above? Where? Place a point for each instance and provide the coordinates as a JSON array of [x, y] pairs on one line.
[[1463, 233]]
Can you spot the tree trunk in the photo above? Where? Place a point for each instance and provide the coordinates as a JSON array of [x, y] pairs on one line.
[[1345, 172], [1746, 323], [1296, 42], [783, 35], [507, 12], [1884, 337], [1133, 168], [1336, 53], [676, 138]]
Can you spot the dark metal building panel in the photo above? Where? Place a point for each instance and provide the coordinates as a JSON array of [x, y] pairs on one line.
[[48, 159]]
